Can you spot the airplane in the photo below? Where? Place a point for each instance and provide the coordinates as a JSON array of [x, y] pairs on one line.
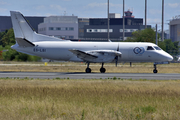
[[32, 43]]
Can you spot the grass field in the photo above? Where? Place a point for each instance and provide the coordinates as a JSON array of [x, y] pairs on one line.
[[80, 67], [64, 99], [108, 99]]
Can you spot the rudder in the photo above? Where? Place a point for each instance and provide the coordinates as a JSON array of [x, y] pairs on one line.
[[22, 30]]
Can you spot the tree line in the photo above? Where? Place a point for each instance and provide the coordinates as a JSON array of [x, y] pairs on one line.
[[7, 54], [147, 35]]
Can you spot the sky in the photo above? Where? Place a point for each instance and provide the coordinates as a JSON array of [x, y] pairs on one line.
[[94, 8]]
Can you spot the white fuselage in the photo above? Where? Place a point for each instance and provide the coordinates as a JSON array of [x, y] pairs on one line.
[[131, 52]]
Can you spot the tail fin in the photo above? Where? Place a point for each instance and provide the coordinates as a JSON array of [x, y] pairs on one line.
[[22, 29], [24, 34]]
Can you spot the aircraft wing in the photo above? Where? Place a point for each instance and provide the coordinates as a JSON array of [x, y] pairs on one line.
[[97, 55], [83, 55]]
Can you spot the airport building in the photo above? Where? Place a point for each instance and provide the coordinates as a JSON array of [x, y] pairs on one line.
[[174, 27], [87, 29], [81, 23], [98, 27], [65, 27], [5, 22]]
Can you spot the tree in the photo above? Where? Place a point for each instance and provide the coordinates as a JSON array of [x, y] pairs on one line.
[[2, 35], [146, 35], [8, 38], [171, 47], [13, 55], [6, 41]]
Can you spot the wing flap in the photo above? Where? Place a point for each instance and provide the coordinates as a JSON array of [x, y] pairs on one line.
[[83, 55]]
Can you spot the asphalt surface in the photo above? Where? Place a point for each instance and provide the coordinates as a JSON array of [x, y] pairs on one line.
[[76, 75]]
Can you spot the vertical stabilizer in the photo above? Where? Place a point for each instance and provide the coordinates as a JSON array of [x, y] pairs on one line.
[[24, 34], [22, 29]]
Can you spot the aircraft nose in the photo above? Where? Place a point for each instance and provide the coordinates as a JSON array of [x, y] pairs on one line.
[[166, 56], [169, 58]]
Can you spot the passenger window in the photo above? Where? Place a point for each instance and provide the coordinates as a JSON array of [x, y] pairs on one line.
[[150, 48], [157, 48]]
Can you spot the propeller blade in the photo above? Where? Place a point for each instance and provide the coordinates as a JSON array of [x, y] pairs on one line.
[[118, 48], [116, 60], [117, 56]]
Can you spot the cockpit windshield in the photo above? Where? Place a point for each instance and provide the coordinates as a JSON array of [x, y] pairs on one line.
[[150, 48], [157, 48]]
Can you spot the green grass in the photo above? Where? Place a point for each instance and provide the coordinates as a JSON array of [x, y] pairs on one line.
[[80, 67], [66, 99]]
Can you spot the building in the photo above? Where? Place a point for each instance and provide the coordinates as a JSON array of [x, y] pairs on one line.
[[174, 27], [166, 34], [88, 29], [98, 27], [81, 23], [114, 15], [5, 22], [65, 27]]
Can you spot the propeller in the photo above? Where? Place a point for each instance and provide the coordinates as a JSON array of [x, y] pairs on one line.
[[116, 58]]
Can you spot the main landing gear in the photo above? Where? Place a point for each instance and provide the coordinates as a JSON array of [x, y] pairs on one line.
[[102, 69], [88, 70]]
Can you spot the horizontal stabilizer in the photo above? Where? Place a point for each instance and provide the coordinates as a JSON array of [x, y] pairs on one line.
[[24, 43]]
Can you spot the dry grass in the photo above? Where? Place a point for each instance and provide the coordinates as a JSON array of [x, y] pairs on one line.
[[61, 99], [80, 67]]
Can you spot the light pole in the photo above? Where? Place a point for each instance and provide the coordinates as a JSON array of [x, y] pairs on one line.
[[162, 20], [123, 21], [145, 14], [108, 19]]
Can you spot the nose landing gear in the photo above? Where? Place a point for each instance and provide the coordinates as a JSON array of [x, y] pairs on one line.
[[155, 69], [156, 63]]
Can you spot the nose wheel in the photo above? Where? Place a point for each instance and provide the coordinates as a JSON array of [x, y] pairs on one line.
[[155, 69]]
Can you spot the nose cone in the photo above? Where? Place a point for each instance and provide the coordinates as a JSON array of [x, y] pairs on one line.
[[169, 58], [164, 56]]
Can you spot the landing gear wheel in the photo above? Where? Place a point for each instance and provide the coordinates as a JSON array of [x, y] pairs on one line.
[[88, 70], [155, 71], [102, 70], [155, 68]]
